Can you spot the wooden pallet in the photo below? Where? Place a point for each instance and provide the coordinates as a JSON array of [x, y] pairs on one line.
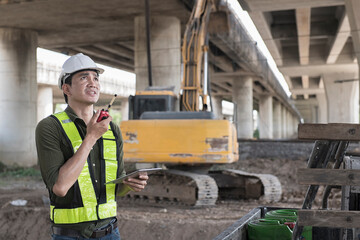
[[326, 158]]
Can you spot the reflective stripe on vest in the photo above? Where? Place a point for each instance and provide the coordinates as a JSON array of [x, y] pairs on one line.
[[91, 210]]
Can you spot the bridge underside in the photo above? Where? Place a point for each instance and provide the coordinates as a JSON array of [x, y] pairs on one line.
[[112, 33]]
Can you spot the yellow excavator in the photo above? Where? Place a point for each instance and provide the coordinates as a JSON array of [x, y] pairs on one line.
[[188, 142]]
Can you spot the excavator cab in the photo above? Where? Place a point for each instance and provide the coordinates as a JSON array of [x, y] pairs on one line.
[[151, 100]]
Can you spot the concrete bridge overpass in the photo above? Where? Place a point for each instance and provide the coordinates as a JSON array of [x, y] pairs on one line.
[[113, 33], [316, 44]]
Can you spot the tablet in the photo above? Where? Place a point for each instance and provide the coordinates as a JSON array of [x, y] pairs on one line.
[[135, 174]]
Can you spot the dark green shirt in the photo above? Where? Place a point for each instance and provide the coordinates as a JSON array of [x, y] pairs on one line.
[[54, 150]]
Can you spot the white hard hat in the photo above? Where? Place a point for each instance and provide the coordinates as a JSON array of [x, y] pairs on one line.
[[76, 63]]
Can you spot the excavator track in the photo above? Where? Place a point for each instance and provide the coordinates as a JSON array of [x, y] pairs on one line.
[[178, 187], [186, 188], [236, 184]]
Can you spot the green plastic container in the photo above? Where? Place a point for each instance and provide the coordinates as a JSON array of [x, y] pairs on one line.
[[273, 227], [283, 215], [268, 229]]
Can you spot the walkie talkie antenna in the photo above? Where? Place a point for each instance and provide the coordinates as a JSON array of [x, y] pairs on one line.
[[104, 114], [111, 102]]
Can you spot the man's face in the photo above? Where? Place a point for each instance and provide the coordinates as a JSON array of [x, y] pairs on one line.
[[85, 87]]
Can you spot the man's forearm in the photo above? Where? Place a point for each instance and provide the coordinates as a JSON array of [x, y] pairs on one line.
[[70, 171]]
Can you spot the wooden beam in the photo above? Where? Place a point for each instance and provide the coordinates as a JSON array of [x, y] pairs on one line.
[[329, 218], [331, 131], [320, 176]]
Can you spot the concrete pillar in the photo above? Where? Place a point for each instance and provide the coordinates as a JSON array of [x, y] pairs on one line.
[[266, 117], [283, 122], [217, 107], [352, 10], [165, 48], [124, 109], [322, 108], [295, 124], [342, 97], [277, 120], [44, 102], [243, 99], [18, 96], [289, 124]]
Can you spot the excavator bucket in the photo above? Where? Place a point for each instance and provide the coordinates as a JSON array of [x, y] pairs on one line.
[[219, 23]]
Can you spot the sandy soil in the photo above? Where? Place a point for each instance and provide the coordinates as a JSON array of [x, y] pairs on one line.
[[138, 221]]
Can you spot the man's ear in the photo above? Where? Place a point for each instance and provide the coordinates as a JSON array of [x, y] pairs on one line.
[[66, 89]]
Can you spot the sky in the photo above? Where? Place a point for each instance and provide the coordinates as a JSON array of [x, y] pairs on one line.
[[58, 58]]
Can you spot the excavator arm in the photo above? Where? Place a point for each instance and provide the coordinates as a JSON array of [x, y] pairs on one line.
[[194, 53]]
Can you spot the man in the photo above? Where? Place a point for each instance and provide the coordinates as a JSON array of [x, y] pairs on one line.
[[78, 155]]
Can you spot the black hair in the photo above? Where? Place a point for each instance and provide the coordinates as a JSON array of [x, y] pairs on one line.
[[67, 80]]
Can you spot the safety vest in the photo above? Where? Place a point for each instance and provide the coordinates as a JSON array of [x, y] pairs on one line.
[[89, 204]]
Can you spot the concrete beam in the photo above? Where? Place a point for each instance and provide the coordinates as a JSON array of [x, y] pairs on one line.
[[116, 49], [221, 62], [107, 56], [303, 30], [305, 84], [288, 81], [219, 75], [223, 87], [263, 25], [352, 9], [221, 94], [278, 5], [307, 91], [338, 44], [127, 44], [318, 69]]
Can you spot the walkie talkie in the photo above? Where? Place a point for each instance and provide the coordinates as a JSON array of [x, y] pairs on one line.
[[104, 114]]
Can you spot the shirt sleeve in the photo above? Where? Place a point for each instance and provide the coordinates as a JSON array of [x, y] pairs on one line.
[[48, 145]]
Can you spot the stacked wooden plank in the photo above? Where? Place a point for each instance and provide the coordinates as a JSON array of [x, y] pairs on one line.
[[328, 151]]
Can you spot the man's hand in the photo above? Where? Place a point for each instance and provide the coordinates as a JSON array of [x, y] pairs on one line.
[[97, 129], [137, 184]]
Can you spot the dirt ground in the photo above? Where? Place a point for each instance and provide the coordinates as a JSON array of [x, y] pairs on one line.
[[137, 221]]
